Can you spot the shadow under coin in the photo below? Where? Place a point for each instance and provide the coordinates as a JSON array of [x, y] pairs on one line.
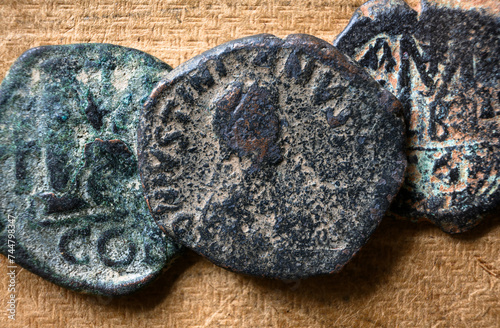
[[368, 271], [153, 294], [489, 223]]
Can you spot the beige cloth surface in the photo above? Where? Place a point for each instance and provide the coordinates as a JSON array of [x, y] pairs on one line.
[[408, 275]]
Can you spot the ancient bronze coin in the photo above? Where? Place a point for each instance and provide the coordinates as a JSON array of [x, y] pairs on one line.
[[271, 157], [442, 63], [72, 206]]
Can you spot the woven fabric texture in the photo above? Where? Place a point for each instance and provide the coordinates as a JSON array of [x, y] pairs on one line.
[[408, 275]]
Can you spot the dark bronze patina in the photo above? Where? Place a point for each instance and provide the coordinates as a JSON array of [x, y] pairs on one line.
[[442, 64], [248, 124], [271, 157]]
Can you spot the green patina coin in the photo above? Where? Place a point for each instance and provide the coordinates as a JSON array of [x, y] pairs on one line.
[[72, 205]]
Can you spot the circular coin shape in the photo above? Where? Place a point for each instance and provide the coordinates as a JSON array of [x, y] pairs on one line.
[[72, 206], [442, 64], [271, 157]]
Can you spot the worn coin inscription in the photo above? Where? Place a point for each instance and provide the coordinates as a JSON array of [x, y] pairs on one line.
[[69, 179], [271, 157], [442, 64]]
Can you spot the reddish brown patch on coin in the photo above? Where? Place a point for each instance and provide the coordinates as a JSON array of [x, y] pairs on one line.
[[248, 124], [438, 61]]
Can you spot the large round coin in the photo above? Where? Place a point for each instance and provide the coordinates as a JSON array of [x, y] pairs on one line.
[[72, 206], [442, 63], [271, 157]]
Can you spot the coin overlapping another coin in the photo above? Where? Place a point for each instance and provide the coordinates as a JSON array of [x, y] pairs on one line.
[[69, 168], [270, 157]]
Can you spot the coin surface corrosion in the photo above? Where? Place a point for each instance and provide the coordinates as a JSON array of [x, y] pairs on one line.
[[70, 186], [442, 64], [271, 157]]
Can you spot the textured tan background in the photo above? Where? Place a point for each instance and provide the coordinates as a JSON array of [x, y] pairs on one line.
[[407, 276]]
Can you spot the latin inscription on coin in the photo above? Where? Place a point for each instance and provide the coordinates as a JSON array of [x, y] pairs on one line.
[[68, 163], [442, 63], [271, 157]]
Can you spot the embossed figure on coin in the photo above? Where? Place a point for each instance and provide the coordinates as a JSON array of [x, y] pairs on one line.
[[248, 124], [69, 170], [271, 157], [442, 64]]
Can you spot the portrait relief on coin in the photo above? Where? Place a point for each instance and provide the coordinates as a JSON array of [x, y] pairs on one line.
[[70, 182], [442, 64], [271, 157]]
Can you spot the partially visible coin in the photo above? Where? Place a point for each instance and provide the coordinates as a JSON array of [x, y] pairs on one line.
[[271, 157], [70, 195], [442, 63]]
